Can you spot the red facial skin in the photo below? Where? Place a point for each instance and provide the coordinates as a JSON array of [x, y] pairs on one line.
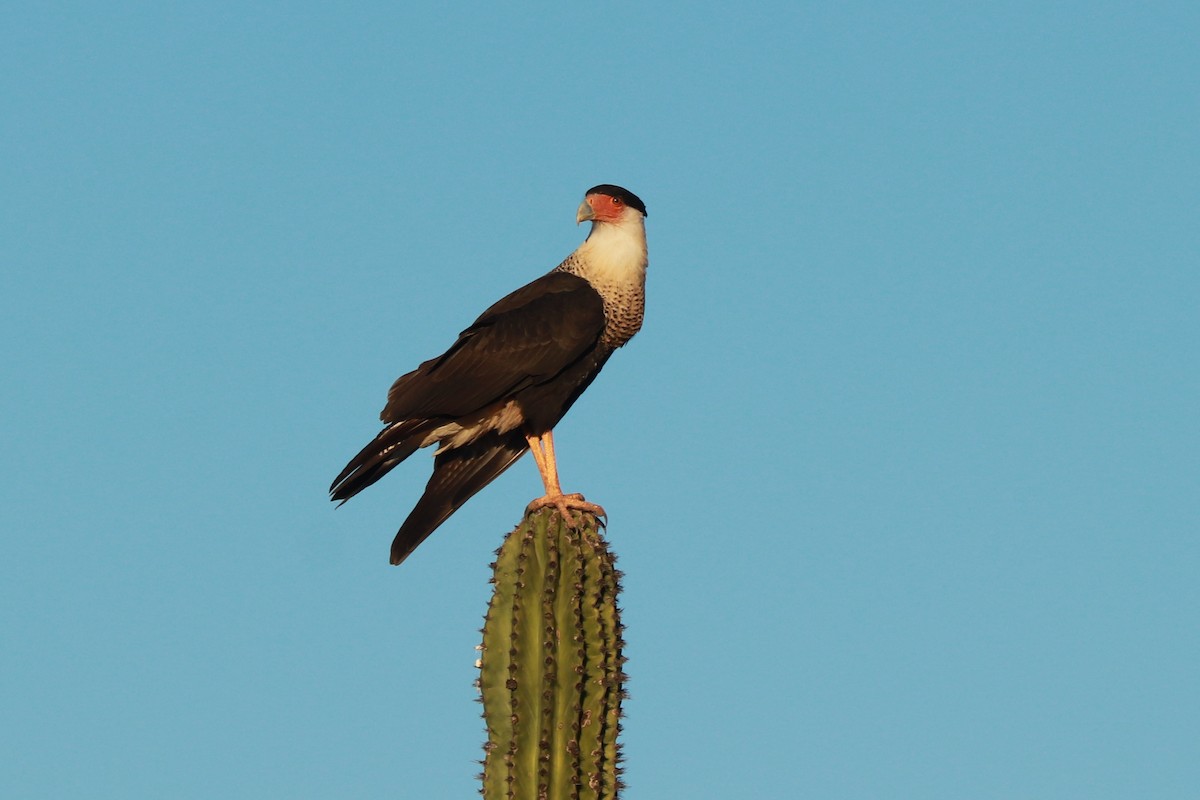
[[605, 208]]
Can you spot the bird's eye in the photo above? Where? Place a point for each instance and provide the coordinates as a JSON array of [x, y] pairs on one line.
[[616, 201]]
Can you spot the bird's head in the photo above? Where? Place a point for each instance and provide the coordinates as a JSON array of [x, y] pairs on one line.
[[610, 204], [614, 253]]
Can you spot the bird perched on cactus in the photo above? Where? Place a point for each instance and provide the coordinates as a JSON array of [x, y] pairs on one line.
[[511, 376]]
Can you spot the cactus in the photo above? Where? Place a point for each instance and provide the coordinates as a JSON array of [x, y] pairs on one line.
[[550, 671]]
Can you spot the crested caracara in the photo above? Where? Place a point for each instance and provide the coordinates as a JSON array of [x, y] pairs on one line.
[[511, 376]]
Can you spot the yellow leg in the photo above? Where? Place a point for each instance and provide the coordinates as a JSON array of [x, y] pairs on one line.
[[553, 486], [539, 455], [543, 453]]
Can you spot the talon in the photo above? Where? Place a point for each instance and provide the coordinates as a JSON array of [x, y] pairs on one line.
[[564, 504]]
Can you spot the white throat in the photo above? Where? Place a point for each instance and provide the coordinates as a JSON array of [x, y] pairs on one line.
[[614, 253]]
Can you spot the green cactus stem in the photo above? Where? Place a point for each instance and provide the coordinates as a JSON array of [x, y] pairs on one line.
[[551, 670]]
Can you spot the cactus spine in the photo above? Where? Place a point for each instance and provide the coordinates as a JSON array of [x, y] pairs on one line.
[[550, 672]]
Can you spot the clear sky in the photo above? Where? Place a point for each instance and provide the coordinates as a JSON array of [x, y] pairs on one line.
[[902, 471]]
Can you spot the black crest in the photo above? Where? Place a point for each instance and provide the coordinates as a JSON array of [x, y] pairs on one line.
[[624, 195]]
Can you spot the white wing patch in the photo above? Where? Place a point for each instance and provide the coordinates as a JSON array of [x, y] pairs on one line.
[[496, 419]]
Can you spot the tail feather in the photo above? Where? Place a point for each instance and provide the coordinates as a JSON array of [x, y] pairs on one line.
[[393, 444], [457, 475]]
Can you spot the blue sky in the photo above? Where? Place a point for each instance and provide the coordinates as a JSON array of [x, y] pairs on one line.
[[902, 470]]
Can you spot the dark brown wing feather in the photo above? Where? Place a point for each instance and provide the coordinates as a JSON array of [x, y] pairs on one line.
[[457, 475], [393, 444], [526, 338]]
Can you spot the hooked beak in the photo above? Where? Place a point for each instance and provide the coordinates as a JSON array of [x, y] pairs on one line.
[[585, 212]]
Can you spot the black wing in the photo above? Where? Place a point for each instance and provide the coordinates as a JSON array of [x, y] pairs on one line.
[[457, 475], [526, 338]]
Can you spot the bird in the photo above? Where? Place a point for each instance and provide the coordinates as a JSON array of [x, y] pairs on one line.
[[509, 378]]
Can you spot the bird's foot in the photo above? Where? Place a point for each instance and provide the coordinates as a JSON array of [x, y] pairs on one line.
[[565, 503]]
